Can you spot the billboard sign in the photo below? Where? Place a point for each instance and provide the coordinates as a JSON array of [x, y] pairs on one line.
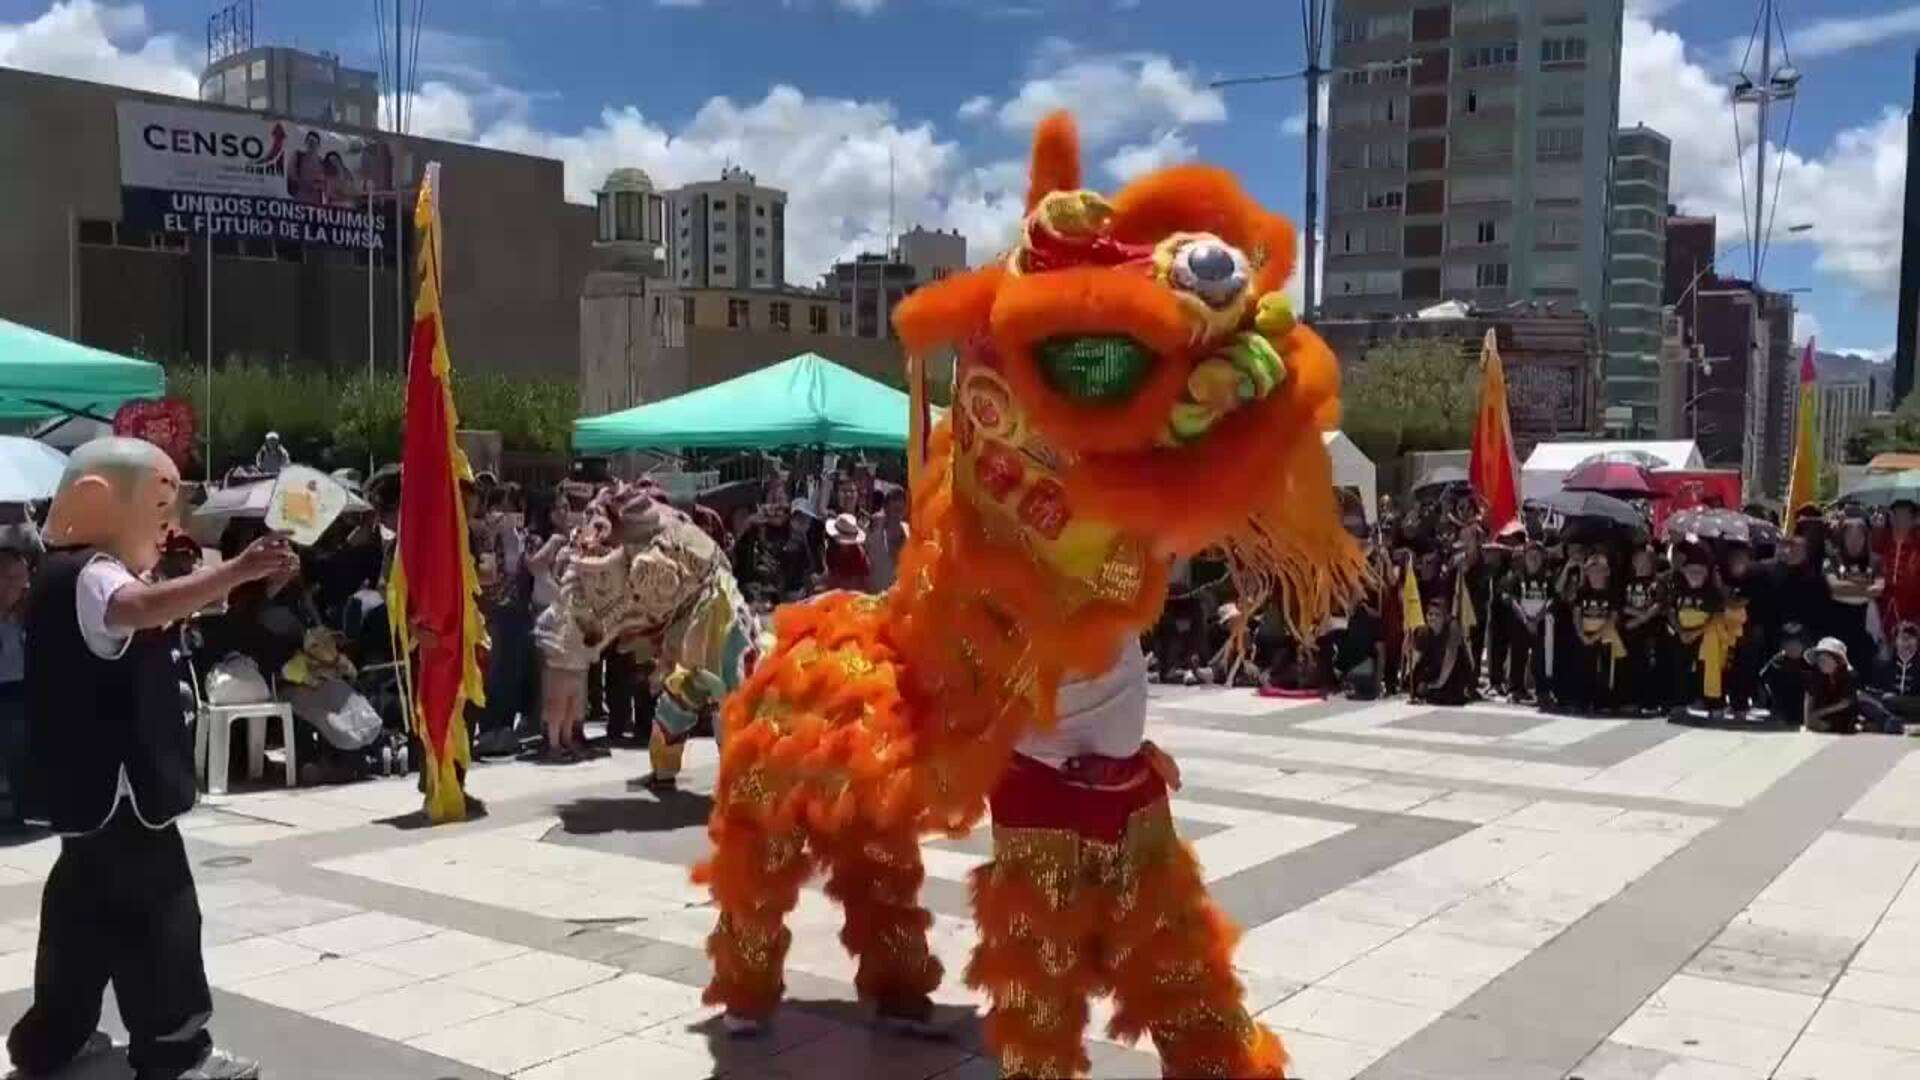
[[244, 175]]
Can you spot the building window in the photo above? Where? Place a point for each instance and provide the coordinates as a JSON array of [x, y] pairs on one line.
[[352, 114], [1490, 276], [720, 271], [1479, 99], [683, 210], [1486, 232], [760, 275], [760, 252], [1560, 275], [1559, 187], [1426, 196], [739, 315], [719, 247], [1566, 50], [1472, 11], [1504, 54], [1558, 144], [817, 318], [1483, 141], [1387, 155], [782, 315], [719, 206], [1563, 97], [759, 211], [259, 69], [759, 230], [1561, 232], [1392, 198], [686, 311]]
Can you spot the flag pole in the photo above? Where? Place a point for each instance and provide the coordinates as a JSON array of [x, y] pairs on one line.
[[208, 421]]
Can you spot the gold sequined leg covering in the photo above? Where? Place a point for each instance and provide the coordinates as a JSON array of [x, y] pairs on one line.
[[1037, 959], [664, 756], [876, 878], [1171, 954], [756, 879]]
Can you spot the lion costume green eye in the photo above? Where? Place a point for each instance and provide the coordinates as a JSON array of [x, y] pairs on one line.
[[1094, 369]]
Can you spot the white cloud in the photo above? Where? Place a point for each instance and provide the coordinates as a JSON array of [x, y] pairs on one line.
[[101, 42], [861, 7], [680, 3], [1113, 96], [1647, 9], [1850, 189], [1806, 327], [975, 107], [1136, 159], [1840, 33], [1296, 124]]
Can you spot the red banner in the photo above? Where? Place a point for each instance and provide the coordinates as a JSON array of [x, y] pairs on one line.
[[1683, 489], [167, 424]]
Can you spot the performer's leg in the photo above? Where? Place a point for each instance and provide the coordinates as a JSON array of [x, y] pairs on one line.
[[755, 878], [876, 879], [1035, 960], [72, 964], [664, 754], [1171, 956], [159, 978]]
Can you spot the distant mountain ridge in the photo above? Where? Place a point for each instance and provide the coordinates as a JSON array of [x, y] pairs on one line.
[[1845, 367]]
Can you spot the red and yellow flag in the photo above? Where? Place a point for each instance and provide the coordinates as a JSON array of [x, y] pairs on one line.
[[1804, 487], [1494, 468], [433, 588]]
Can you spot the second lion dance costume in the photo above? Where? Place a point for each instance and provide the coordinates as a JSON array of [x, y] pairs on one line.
[[1130, 388], [644, 578]]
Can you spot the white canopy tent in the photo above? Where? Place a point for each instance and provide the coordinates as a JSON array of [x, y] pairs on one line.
[[1353, 469], [1550, 462]]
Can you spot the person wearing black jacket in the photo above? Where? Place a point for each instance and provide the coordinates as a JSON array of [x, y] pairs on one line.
[[1643, 631], [1891, 699], [1744, 587], [1784, 678], [111, 768]]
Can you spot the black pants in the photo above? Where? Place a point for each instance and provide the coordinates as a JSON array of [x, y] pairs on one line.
[[1527, 661], [1499, 648], [119, 907], [1589, 682], [1743, 669], [1643, 682], [629, 700]]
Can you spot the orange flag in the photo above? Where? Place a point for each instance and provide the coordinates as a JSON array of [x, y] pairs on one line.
[[433, 588], [1494, 469], [1804, 487]]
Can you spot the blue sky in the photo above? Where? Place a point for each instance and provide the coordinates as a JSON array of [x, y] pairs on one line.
[[817, 95]]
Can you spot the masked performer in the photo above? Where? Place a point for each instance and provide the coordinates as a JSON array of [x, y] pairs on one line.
[[1130, 388], [649, 581], [110, 752]]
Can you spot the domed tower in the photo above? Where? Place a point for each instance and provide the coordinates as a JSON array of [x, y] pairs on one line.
[[625, 324], [632, 221]]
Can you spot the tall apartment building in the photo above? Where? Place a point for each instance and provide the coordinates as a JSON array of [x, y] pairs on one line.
[[315, 87], [1469, 147], [1637, 256], [729, 233], [870, 286]]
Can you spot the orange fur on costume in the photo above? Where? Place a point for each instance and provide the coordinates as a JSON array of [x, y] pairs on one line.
[[1130, 388]]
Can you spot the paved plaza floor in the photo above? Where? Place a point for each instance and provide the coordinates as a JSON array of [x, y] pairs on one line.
[[1469, 894]]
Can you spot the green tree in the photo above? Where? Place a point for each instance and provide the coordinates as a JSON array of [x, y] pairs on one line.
[[1899, 431], [1408, 396]]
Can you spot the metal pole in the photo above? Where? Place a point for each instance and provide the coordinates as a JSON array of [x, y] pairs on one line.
[[373, 215], [1765, 97], [73, 275], [1315, 14], [209, 338], [400, 319]]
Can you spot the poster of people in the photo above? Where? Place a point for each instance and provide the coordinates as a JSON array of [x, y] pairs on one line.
[[229, 174]]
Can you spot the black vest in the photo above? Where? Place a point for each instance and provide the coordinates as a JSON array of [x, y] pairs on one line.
[[87, 718]]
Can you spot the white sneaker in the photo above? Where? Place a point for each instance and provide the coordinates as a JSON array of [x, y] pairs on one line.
[[741, 1027]]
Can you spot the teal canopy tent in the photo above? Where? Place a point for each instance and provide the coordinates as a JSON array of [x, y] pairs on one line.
[[45, 376], [806, 401]]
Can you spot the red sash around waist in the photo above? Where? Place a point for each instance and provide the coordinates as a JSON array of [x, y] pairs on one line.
[[1093, 796]]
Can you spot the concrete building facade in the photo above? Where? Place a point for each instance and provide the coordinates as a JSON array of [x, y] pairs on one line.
[[1469, 148], [729, 233], [516, 255], [870, 286], [1637, 255], [313, 87], [1843, 406]]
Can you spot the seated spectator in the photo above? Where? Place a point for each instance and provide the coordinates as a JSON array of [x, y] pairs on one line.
[[1783, 678], [1891, 699], [1442, 668], [1832, 705]]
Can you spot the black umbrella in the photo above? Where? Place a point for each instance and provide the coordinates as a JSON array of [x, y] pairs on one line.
[[1591, 505], [1444, 477]]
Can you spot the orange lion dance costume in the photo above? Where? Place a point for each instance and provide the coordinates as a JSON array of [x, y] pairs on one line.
[[1130, 387]]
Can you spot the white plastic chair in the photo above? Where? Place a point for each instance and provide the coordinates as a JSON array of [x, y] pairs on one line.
[[213, 728]]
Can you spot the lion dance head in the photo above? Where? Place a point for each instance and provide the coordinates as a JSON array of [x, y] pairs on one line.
[[1131, 385]]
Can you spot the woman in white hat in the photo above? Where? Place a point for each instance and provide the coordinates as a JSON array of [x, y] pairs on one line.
[[847, 564], [1831, 703]]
